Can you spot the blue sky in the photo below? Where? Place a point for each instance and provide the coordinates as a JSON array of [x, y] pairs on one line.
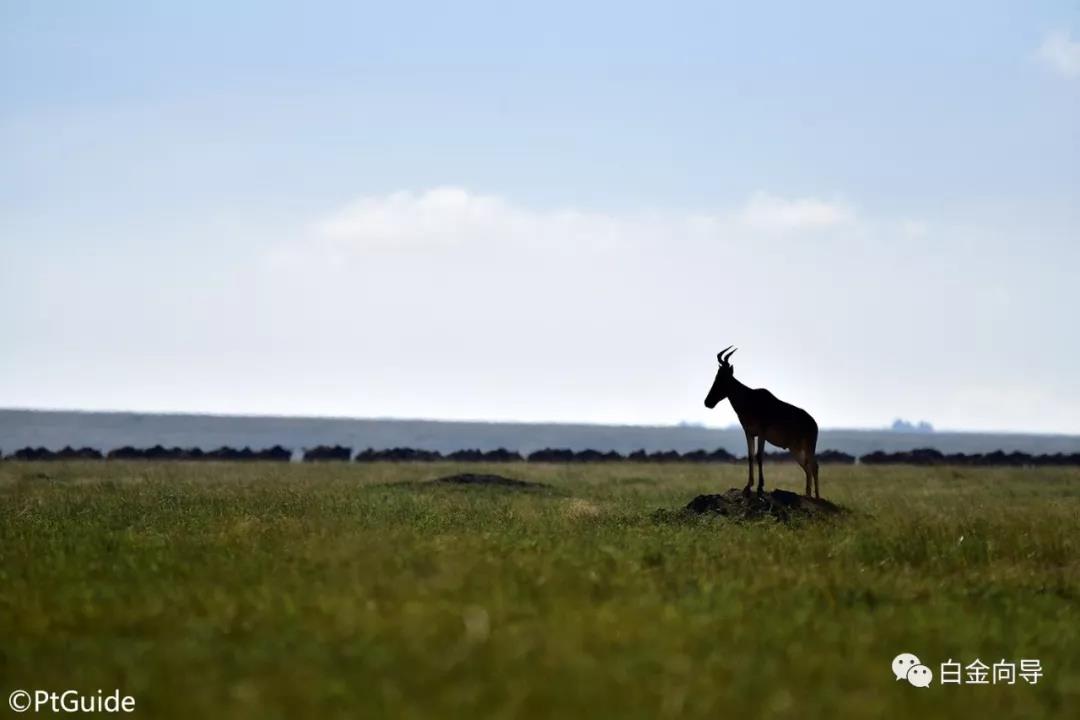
[[547, 212]]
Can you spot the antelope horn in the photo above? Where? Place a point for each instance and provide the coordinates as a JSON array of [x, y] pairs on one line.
[[727, 358], [720, 355]]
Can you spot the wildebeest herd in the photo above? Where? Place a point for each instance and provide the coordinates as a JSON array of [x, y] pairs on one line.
[[277, 453]]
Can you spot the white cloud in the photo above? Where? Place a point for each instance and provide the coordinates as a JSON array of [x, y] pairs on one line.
[[1061, 53], [442, 216], [456, 218], [768, 212], [453, 217]]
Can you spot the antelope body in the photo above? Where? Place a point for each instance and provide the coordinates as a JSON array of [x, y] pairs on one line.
[[764, 417]]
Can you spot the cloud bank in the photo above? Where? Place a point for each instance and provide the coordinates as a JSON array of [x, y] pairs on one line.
[[455, 217], [769, 212]]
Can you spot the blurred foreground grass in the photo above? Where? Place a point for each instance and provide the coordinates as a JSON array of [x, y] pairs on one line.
[[274, 591]]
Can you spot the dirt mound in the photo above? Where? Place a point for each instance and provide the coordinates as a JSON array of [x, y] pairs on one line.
[[778, 505], [488, 481]]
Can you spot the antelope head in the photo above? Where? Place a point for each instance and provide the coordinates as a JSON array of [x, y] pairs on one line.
[[724, 376]]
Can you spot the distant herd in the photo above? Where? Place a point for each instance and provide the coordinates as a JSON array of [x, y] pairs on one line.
[[923, 456]]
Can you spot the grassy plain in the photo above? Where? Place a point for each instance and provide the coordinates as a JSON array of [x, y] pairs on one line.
[[275, 591]]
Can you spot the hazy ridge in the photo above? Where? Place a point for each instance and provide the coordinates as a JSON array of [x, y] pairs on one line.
[[108, 430]]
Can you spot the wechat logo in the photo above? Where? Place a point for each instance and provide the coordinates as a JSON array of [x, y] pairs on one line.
[[906, 666]]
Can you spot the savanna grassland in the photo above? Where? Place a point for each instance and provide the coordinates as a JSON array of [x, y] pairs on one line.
[[336, 590]]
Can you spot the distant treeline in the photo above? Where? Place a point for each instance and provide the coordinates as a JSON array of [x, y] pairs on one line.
[[930, 456], [323, 453], [276, 453]]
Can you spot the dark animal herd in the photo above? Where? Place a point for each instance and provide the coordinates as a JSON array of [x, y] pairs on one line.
[[322, 453]]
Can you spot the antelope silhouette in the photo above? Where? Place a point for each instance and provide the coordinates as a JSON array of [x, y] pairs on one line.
[[763, 417]]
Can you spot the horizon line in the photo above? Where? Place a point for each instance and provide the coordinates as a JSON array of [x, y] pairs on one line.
[[677, 425]]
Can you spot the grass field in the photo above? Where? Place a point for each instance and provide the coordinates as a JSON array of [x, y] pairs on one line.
[[274, 591]]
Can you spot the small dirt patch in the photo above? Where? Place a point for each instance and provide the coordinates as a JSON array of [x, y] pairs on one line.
[[777, 505], [488, 481]]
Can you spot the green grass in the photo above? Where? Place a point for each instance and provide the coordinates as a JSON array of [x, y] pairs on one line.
[[265, 591]]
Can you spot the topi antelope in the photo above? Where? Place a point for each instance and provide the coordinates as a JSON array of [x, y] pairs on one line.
[[764, 417]]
